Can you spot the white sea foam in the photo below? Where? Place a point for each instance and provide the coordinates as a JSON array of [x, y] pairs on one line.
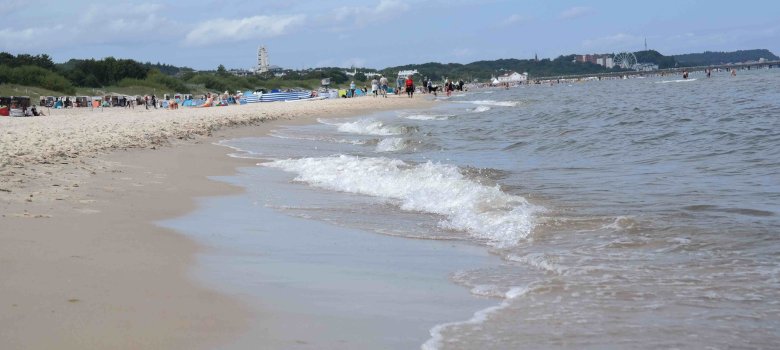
[[622, 223], [481, 109], [540, 261], [392, 144], [315, 138], [493, 103], [487, 290], [429, 116], [484, 212], [240, 152], [435, 342], [370, 127], [675, 81], [224, 144]]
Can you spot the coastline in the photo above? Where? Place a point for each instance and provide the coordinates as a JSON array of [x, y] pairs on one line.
[[84, 265]]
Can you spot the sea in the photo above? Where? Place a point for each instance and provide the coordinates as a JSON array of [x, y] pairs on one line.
[[631, 213]]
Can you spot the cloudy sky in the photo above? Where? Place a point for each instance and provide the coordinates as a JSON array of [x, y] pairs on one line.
[[377, 33]]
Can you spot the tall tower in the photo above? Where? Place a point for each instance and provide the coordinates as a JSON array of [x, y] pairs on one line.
[[645, 44], [262, 60]]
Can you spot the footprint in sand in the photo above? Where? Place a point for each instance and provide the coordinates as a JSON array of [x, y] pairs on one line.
[[30, 215]]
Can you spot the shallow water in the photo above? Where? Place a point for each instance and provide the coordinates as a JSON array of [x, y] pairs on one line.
[[319, 285], [638, 213]]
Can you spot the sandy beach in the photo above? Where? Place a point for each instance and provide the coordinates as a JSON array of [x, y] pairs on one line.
[[82, 264]]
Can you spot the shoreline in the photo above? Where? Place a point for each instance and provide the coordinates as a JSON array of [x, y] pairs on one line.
[[84, 265]]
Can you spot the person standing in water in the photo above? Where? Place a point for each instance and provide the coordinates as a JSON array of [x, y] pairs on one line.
[[733, 72], [685, 74]]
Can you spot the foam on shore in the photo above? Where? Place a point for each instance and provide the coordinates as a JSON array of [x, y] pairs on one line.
[[486, 213]]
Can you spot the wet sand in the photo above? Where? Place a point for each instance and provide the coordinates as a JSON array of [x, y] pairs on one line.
[[82, 263]]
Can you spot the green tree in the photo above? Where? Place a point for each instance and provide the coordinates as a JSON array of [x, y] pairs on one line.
[[221, 71]]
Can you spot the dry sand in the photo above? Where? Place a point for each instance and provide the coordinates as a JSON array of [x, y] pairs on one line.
[[81, 263]]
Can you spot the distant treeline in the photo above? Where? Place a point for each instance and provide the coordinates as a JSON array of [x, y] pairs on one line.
[[41, 71], [484, 70], [714, 58]]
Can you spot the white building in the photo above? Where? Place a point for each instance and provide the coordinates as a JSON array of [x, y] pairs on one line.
[[241, 72], [367, 74], [645, 67], [263, 65], [405, 73], [606, 61], [513, 77]]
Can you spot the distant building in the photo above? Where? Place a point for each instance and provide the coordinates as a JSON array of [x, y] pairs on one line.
[[645, 67], [586, 58], [601, 60], [606, 61], [513, 77], [367, 74], [241, 72], [405, 73], [263, 65], [277, 71]]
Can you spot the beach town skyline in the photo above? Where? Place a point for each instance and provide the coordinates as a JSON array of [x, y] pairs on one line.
[[368, 34]]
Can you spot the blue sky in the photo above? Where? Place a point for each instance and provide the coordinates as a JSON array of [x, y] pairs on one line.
[[377, 33]]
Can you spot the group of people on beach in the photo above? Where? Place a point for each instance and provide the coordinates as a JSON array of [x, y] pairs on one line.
[[379, 87]]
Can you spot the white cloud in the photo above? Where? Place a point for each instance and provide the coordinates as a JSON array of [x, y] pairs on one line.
[[232, 30], [515, 19], [462, 52], [355, 61], [362, 16], [575, 12], [92, 26], [10, 6], [15, 39], [143, 24], [617, 42]]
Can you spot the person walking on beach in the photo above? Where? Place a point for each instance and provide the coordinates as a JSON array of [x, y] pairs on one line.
[[409, 86], [375, 87], [352, 89], [383, 86]]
